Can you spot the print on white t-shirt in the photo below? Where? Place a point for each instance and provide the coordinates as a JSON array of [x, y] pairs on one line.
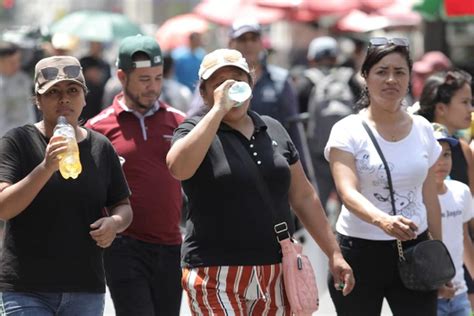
[[409, 160]]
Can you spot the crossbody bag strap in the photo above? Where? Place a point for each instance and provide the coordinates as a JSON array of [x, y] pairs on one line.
[[280, 226], [385, 164], [389, 180]]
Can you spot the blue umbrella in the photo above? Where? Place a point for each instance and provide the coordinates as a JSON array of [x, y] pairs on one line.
[[100, 26]]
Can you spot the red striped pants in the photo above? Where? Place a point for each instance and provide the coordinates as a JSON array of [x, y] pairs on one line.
[[236, 290]]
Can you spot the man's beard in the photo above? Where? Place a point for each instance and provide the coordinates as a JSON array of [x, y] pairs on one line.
[[136, 100]]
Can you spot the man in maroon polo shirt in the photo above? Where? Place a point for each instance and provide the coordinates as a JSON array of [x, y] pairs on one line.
[[143, 264]]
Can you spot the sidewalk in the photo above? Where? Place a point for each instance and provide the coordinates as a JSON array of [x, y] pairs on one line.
[[320, 263]]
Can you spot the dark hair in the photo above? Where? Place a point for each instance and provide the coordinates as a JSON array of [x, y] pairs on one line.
[[374, 55], [441, 87], [168, 64], [8, 49]]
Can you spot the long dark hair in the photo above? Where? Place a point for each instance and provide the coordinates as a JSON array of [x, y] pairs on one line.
[[374, 55], [440, 88]]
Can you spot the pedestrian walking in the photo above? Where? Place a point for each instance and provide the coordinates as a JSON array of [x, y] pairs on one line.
[[16, 108], [367, 228], [51, 262], [96, 72], [187, 59], [173, 92], [446, 99], [142, 265], [456, 211], [326, 92], [231, 257]]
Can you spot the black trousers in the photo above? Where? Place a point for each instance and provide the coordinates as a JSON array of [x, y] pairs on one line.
[[376, 272], [143, 278]]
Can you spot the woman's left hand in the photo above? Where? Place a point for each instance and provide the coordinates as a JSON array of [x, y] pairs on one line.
[[342, 273], [104, 231]]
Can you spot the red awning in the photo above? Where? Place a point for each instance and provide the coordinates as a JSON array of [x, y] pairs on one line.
[[176, 30], [459, 8], [224, 12]]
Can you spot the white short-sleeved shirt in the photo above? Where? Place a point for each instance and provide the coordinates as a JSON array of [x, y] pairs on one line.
[[456, 209], [409, 160]]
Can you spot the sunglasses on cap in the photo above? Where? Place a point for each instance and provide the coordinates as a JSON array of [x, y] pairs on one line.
[[452, 76], [230, 56], [68, 72], [381, 41]]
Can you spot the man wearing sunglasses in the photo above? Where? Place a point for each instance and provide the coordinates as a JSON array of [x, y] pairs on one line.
[[143, 264]]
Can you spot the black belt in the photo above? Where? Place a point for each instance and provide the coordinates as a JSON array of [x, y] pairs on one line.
[[360, 242]]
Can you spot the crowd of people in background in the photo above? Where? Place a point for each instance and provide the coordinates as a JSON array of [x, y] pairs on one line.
[[185, 151]]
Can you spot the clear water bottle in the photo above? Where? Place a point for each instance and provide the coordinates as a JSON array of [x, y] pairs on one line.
[[239, 92], [69, 162]]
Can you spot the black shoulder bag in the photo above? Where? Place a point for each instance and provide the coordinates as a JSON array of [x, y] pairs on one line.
[[427, 265]]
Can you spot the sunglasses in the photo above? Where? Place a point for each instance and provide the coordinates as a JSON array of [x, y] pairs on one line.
[[230, 56], [68, 72], [451, 77], [381, 41]]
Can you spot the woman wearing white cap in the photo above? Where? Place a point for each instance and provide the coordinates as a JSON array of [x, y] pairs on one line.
[[230, 255]]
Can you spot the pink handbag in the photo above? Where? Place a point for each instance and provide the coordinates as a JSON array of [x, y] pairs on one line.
[[299, 279], [298, 274]]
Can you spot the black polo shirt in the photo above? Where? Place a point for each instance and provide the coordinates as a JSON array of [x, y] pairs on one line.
[[228, 221]]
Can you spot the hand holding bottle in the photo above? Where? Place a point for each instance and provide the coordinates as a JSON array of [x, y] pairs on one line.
[[232, 94], [239, 92], [69, 161], [56, 147], [221, 100]]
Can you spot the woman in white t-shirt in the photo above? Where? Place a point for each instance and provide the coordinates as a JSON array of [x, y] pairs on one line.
[[367, 228], [456, 211]]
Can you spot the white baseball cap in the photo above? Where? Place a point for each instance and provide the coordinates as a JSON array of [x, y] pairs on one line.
[[221, 58]]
